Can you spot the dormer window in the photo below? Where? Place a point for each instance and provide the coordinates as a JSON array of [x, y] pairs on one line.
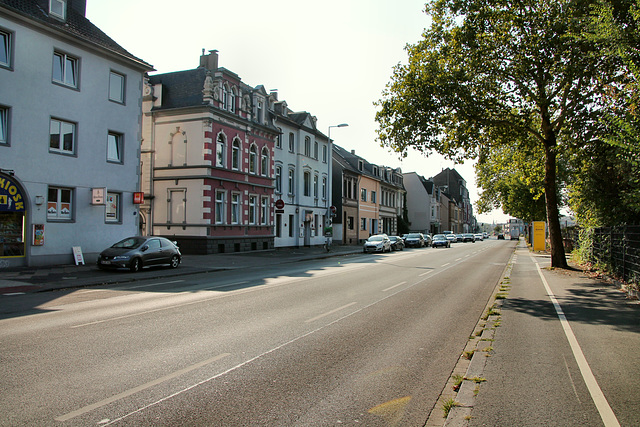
[[58, 9], [259, 109]]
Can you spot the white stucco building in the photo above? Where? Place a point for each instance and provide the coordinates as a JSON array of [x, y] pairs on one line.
[[70, 108]]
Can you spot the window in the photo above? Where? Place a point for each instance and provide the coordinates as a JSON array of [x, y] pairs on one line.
[[373, 197], [307, 146], [114, 147], [59, 203], [253, 159], [220, 144], [324, 187], [259, 112], [225, 97], [350, 222], [307, 183], [291, 181], [232, 100], [360, 165], [4, 125], [279, 139], [65, 69], [264, 210], [177, 206], [292, 142], [235, 155], [264, 162], [291, 225], [6, 48], [363, 194], [315, 150], [278, 179], [315, 186], [324, 154], [112, 211], [252, 209], [62, 137], [116, 87], [219, 207], [58, 8], [235, 208], [363, 223]]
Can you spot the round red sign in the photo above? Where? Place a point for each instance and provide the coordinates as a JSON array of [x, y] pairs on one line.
[[279, 204]]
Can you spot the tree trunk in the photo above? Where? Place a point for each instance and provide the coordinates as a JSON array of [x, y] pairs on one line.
[[558, 258]]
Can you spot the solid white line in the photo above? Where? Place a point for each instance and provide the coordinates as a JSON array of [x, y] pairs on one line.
[[606, 413], [134, 390], [154, 284], [444, 265], [329, 312], [394, 286], [425, 273]]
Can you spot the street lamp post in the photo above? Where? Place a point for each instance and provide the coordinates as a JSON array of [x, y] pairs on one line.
[[330, 180]]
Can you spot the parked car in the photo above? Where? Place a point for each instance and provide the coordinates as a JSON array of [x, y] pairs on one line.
[[427, 239], [500, 236], [460, 237], [397, 244], [440, 240], [377, 243], [468, 237], [414, 240], [135, 253], [451, 237]]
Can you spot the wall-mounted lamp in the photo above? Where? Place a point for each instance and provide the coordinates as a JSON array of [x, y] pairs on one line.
[[39, 200]]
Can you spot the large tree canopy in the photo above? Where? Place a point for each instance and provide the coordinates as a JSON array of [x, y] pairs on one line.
[[494, 72]]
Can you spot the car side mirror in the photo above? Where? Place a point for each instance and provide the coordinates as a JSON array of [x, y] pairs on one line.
[[144, 248]]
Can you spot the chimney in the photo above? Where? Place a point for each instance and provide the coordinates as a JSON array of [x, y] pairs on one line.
[[353, 152], [210, 61]]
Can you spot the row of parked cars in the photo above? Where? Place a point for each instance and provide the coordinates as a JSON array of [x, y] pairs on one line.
[[384, 243]]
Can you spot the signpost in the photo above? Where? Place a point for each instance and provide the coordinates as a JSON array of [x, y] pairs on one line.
[[539, 235]]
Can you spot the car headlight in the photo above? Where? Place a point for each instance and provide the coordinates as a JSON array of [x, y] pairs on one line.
[[121, 257]]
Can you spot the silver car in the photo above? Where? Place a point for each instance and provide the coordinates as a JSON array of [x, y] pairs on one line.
[[377, 243]]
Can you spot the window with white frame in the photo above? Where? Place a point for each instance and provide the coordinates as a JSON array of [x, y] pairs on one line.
[[62, 137], [315, 150], [236, 154], [219, 207], [59, 203], [6, 48], [307, 183], [373, 197], [115, 143], [65, 69], [232, 100], [315, 186], [220, 145], [264, 161], [225, 97], [264, 211], [113, 208], [292, 173], [177, 206], [307, 146], [292, 142], [253, 159], [58, 8], [259, 111], [279, 139], [4, 125], [324, 153], [324, 187], [116, 87], [235, 208], [363, 223], [363, 194], [278, 179], [253, 201]]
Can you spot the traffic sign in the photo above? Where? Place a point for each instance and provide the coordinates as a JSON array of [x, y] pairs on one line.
[[279, 204]]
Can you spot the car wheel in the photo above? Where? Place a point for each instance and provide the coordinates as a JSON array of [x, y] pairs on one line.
[[175, 261], [136, 265]]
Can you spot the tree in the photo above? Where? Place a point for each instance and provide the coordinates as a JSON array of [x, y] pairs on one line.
[[495, 72]]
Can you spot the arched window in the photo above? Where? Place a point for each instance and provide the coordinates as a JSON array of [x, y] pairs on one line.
[[264, 161], [220, 150], [253, 159], [225, 97], [236, 155], [307, 146], [232, 100]]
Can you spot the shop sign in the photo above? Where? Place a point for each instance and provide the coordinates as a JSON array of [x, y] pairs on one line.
[[11, 198]]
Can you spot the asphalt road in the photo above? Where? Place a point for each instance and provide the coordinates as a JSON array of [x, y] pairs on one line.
[[368, 340]]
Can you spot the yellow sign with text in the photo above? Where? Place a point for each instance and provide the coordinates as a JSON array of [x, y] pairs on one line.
[[539, 235]]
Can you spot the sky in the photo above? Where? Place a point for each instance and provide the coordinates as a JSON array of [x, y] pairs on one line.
[[331, 58]]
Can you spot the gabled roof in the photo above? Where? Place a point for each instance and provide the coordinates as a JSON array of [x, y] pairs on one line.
[[180, 88], [353, 160], [76, 26]]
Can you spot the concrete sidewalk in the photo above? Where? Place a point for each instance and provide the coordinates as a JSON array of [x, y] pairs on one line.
[[39, 279], [531, 367]]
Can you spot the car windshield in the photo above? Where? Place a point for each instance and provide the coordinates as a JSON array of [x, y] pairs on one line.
[[129, 243], [439, 237], [393, 238], [376, 238], [413, 236]]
